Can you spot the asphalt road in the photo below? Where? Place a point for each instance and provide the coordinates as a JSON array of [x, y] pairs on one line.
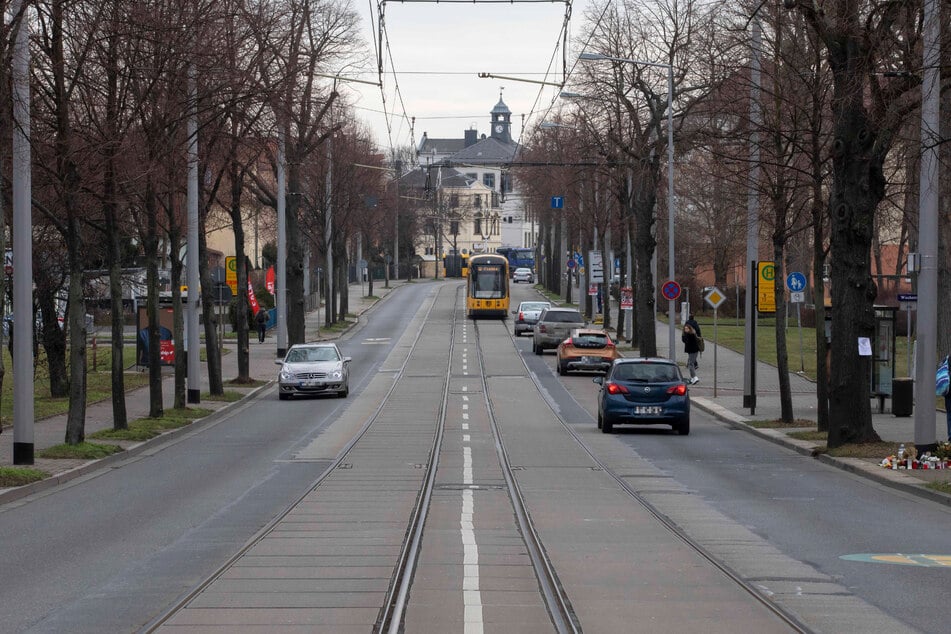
[[812, 512], [109, 551]]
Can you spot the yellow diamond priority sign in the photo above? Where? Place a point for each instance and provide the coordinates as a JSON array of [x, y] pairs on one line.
[[715, 297]]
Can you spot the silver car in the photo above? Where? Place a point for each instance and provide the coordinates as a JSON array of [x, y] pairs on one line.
[[523, 275], [314, 368], [527, 314], [554, 326]]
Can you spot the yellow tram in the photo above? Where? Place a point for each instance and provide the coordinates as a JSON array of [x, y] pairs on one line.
[[487, 286]]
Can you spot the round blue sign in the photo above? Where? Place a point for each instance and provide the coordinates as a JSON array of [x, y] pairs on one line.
[[796, 282], [671, 290], [571, 264]]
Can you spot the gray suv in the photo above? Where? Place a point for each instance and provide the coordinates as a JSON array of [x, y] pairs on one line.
[[554, 326]]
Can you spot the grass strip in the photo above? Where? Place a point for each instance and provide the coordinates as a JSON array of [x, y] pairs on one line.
[[19, 476], [229, 396], [147, 427], [82, 451]]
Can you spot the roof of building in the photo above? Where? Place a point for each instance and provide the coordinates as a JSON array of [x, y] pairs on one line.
[[440, 146], [501, 108], [487, 151]]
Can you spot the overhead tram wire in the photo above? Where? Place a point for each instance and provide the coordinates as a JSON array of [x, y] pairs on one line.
[[574, 63]]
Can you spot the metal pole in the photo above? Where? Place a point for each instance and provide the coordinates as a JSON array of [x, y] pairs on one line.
[[328, 228], [191, 313], [22, 246], [280, 275], [396, 222], [752, 219], [671, 334], [928, 228]]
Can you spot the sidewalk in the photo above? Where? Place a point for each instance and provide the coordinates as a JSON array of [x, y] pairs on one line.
[[51, 431]]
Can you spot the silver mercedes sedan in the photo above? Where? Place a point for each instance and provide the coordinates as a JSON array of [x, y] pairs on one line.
[[314, 368]]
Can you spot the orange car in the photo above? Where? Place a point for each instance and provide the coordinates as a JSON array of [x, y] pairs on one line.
[[586, 349]]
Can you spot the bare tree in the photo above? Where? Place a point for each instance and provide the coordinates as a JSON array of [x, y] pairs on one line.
[[862, 40]]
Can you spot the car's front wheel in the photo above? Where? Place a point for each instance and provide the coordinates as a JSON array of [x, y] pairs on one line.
[[344, 392], [282, 396]]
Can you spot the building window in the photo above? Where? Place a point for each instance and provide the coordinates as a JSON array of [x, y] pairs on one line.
[[453, 200], [472, 176], [488, 179], [477, 226], [495, 199], [477, 201]]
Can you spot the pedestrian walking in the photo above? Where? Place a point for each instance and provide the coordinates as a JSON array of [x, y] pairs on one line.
[[261, 320], [693, 324], [692, 348]]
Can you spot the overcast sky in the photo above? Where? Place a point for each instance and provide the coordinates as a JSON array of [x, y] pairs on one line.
[[438, 51]]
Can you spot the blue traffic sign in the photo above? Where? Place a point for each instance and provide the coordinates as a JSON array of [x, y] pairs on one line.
[[796, 282], [557, 202], [571, 264], [908, 297], [670, 290]]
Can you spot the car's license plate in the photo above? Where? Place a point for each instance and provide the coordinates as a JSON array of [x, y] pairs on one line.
[[645, 409], [309, 384]]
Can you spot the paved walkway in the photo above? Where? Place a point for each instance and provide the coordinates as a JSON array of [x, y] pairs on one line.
[[720, 393]]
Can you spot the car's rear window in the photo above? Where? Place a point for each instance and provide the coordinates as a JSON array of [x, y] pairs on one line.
[[590, 339], [648, 372], [534, 305], [564, 317]]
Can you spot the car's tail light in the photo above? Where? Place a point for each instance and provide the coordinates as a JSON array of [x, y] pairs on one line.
[[521, 316], [680, 389], [608, 344], [614, 388], [541, 328], [566, 342]]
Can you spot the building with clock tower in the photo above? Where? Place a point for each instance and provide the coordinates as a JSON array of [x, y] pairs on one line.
[[494, 216], [502, 122]]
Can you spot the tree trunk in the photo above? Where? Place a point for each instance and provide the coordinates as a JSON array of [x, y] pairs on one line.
[[294, 296], [212, 345], [241, 306], [53, 336], [818, 298], [152, 302], [178, 317], [76, 417], [858, 187], [782, 350], [644, 245]]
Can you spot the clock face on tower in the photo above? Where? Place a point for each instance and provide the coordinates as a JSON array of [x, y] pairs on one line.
[[499, 128]]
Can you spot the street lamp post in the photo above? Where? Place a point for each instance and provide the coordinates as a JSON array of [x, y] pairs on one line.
[[672, 307]]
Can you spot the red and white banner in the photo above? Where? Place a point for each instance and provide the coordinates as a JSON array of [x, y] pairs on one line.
[[269, 280], [252, 299]]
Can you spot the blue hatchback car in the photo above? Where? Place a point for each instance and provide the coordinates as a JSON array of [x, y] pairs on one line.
[[643, 391]]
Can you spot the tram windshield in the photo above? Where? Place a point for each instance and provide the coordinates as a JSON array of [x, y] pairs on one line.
[[488, 282]]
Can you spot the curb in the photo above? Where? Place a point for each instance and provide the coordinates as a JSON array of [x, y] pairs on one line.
[[891, 479]]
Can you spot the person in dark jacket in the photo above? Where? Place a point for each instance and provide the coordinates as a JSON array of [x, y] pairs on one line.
[[692, 348], [693, 324], [261, 320]]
